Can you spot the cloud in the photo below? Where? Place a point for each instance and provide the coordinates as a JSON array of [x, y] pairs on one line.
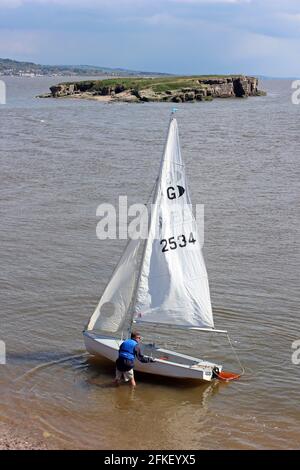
[[180, 36], [290, 17], [10, 3], [99, 3], [18, 43], [211, 1], [70, 3]]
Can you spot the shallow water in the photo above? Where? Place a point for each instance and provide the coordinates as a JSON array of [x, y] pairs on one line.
[[59, 159]]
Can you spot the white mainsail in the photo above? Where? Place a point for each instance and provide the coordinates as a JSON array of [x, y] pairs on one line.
[[173, 286]]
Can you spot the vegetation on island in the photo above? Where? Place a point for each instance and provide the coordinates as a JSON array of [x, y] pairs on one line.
[[171, 88]]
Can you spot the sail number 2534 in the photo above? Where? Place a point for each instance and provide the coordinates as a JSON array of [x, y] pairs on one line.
[[172, 244]]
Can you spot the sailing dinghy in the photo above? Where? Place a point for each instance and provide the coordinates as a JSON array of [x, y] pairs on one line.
[[160, 281]]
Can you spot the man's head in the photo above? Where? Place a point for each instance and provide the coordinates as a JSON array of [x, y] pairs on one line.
[[135, 335]]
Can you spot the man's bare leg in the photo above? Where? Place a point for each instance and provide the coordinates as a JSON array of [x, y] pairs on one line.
[[118, 378], [132, 382]]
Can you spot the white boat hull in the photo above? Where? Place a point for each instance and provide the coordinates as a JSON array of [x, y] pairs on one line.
[[167, 363]]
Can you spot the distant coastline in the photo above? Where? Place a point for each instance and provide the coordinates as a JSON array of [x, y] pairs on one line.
[[15, 68], [172, 89]]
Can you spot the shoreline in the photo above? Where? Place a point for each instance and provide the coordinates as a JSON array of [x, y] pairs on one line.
[[12, 438]]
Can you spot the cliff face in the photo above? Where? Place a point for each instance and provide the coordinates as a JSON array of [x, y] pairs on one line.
[[177, 90]]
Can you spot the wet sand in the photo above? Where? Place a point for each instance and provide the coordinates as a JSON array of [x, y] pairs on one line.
[[12, 438]]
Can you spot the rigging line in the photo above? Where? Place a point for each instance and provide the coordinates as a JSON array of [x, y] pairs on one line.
[[148, 200], [236, 355]]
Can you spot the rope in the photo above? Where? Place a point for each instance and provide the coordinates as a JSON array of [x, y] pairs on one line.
[[236, 355], [235, 376]]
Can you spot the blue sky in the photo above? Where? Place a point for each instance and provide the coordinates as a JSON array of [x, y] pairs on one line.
[[176, 36]]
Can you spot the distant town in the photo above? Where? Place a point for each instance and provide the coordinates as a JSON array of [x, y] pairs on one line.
[[16, 68]]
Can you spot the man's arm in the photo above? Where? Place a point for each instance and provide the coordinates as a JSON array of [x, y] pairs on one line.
[[141, 357]]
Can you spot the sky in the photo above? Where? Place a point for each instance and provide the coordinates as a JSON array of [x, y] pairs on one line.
[[259, 37]]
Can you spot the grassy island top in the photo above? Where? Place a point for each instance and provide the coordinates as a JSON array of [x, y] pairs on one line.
[[158, 84], [177, 89]]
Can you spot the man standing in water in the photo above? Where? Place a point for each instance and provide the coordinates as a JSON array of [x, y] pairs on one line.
[[129, 350]]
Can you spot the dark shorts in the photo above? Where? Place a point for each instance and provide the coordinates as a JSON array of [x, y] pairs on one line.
[[124, 365]]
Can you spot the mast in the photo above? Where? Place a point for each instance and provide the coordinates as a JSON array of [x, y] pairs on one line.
[[157, 186]]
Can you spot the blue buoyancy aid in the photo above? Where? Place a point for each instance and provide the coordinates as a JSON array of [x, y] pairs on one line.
[[127, 349]]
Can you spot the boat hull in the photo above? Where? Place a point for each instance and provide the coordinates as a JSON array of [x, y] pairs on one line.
[[167, 363]]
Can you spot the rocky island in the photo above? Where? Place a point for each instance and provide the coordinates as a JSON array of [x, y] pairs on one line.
[[174, 89]]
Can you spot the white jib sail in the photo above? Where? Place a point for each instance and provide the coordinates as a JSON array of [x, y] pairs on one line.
[[173, 285], [111, 311]]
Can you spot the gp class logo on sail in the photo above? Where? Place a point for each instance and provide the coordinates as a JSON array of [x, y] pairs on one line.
[[175, 193], [182, 240]]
